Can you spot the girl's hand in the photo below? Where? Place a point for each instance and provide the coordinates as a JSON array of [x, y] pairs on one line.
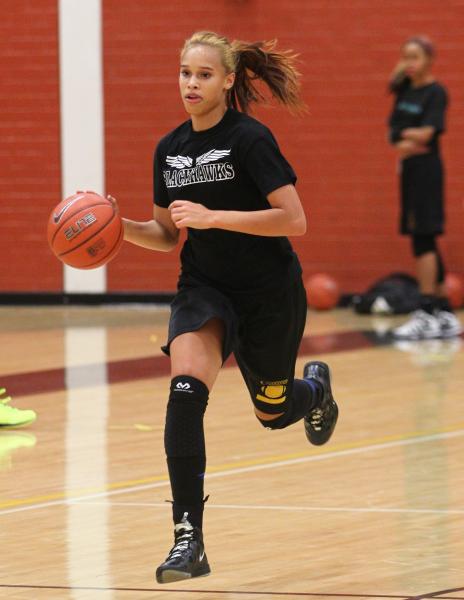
[[407, 148], [399, 69], [190, 214], [114, 203]]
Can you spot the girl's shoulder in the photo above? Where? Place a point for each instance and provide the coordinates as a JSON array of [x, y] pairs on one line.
[[439, 89], [248, 125], [246, 131]]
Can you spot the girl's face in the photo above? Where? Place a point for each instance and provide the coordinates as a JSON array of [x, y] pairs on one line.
[[416, 62], [203, 81]]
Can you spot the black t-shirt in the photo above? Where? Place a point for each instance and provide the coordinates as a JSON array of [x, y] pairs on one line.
[[419, 107], [231, 166]]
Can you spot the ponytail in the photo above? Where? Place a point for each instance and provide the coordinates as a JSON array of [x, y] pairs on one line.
[[261, 61], [252, 62]]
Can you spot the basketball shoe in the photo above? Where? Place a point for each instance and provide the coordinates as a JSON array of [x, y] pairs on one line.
[[449, 324], [420, 326], [13, 417], [321, 420], [187, 557]]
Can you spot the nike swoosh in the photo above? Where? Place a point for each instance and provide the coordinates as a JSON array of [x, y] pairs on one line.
[[57, 217], [202, 555]]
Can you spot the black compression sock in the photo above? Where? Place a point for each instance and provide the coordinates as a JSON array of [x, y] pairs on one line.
[[428, 303], [444, 304], [185, 447]]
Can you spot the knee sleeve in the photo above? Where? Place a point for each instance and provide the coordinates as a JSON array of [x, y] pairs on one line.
[[183, 433], [291, 400], [423, 244], [271, 397]]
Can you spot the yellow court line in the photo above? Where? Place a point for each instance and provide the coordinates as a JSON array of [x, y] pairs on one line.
[[225, 467]]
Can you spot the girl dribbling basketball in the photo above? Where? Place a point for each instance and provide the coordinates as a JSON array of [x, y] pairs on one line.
[[221, 176]]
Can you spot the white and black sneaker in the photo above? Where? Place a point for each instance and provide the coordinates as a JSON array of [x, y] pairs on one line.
[[449, 324], [187, 557], [420, 326], [320, 422]]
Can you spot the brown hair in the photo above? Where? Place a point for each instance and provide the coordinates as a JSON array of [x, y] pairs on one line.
[[251, 62]]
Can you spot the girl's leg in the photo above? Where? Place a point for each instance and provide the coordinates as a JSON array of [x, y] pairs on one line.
[[430, 273], [266, 353], [427, 265], [196, 358]]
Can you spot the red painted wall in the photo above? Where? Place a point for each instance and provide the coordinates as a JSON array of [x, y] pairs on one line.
[[30, 147], [346, 170]]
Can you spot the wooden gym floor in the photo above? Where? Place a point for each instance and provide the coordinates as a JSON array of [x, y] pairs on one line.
[[377, 513]]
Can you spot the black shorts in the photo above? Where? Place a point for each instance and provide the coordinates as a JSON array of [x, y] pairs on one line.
[[422, 195], [263, 331]]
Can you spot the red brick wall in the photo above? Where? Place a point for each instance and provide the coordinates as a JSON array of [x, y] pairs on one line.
[[30, 148], [346, 170]]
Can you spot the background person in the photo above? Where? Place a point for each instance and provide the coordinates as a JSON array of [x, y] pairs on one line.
[[416, 123]]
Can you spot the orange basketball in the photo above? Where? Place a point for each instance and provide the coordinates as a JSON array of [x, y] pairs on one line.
[[454, 286], [85, 231], [322, 291]]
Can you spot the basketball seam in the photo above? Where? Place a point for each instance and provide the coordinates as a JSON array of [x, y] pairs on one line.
[[71, 216], [87, 240], [100, 263]]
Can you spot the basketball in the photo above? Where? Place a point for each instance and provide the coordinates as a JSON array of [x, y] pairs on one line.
[[85, 231], [454, 286], [322, 291]]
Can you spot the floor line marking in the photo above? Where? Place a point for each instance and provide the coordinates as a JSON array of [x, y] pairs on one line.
[[342, 509], [228, 469], [217, 592]]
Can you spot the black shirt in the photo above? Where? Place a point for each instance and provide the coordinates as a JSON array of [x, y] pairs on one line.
[[419, 107], [231, 166]]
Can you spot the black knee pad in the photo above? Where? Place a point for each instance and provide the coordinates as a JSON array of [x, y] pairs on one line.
[[423, 244], [183, 433]]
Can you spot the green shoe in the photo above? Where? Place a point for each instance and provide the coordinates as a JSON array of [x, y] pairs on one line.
[[13, 417]]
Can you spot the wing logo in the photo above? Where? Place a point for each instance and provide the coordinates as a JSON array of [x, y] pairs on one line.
[[185, 162], [206, 168], [212, 156], [179, 162]]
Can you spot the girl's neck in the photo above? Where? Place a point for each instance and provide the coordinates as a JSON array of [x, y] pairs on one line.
[[208, 120], [422, 80]]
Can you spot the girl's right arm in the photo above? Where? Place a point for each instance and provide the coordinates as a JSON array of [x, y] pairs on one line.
[[158, 234], [408, 148]]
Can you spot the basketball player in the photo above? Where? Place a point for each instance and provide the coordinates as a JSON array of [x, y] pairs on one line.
[[221, 176], [416, 124], [13, 417]]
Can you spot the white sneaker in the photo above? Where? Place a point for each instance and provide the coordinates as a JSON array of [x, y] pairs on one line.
[[420, 326], [449, 324]]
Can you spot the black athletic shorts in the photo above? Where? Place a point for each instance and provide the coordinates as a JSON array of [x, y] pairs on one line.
[[421, 185], [263, 331]]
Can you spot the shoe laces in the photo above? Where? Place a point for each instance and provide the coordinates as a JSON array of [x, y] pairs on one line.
[[182, 543], [417, 321], [317, 418], [5, 400]]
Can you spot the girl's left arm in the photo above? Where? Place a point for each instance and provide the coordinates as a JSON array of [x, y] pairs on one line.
[[286, 216], [421, 135]]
